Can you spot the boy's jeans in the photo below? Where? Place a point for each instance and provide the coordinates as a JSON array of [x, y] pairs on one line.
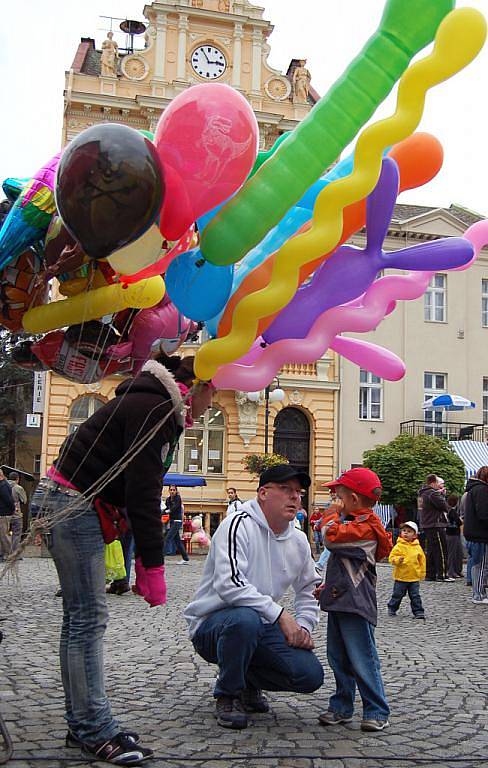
[[251, 654], [77, 548], [352, 655], [400, 589]]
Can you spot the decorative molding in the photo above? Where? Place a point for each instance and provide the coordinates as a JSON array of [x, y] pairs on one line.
[[278, 88], [295, 397], [247, 414], [134, 67]]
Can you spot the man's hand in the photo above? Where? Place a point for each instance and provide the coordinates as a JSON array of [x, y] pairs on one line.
[[295, 635]]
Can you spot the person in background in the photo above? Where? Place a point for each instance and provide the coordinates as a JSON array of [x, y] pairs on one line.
[[433, 511], [174, 506], [20, 497], [7, 510], [476, 532], [235, 504], [130, 440], [236, 619], [357, 541], [316, 524], [408, 560], [453, 535]]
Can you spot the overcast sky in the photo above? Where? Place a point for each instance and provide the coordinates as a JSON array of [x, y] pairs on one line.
[[35, 53]]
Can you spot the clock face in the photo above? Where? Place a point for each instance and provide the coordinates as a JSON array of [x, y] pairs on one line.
[[208, 62]]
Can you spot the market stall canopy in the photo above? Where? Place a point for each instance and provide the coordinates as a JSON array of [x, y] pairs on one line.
[[472, 453], [183, 481]]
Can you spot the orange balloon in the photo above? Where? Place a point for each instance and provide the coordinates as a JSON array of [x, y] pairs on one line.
[[419, 159]]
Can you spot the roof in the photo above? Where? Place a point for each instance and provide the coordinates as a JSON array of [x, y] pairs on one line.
[[404, 212]]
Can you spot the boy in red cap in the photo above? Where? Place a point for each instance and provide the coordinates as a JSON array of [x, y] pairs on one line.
[[357, 541]]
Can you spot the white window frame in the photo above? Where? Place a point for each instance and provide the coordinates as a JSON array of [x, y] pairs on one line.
[[484, 302], [434, 420], [485, 399], [179, 465], [432, 292], [74, 423], [366, 388]]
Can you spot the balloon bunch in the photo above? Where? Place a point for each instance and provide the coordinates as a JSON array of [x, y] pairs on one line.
[[105, 218], [250, 244]]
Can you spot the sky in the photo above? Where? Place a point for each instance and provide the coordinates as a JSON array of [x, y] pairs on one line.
[[35, 54]]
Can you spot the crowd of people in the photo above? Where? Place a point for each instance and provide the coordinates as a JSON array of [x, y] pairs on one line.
[[236, 619]]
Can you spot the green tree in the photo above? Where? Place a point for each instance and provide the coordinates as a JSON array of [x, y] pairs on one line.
[[404, 463], [256, 463], [16, 386]]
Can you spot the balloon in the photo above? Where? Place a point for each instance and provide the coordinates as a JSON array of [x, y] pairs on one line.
[[139, 254], [159, 267], [358, 316], [93, 304], [12, 188], [265, 154], [197, 288], [201, 539], [77, 353], [31, 213], [196, 524], [23, 284], [61, 251], [325, 131], [162, 322], [207, 140], [109, 187], [350, 270], [459, 39], [419, 158]]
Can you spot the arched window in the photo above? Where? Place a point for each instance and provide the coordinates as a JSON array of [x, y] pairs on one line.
[[82, 408], [201, 448]]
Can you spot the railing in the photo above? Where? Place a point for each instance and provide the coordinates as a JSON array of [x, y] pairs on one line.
[[299, 369], [448, 430]]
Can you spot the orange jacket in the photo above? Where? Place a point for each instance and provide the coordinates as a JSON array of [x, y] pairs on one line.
[[359, 528]]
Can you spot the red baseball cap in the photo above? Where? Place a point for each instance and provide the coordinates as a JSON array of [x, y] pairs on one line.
[[361, 480]]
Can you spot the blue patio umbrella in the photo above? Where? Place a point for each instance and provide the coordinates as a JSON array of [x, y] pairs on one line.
[[448, 403]]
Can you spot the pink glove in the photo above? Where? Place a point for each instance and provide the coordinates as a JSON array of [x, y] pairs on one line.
[[140, 587], [155, 586]]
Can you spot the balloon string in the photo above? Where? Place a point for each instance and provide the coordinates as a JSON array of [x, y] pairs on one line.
[[459, 39]]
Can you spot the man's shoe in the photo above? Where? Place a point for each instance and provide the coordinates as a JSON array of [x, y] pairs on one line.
[[120, 750], [73, 742], [391, 613], [479, 600], [253, 700], [333, 718], [374, 725], [448, 578], [183, 562], [229, 713], [419, 616]]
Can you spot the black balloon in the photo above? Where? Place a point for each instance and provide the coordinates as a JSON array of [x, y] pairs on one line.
[[109, 187]]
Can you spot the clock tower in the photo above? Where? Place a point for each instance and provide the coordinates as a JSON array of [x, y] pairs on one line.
[[185, 42]]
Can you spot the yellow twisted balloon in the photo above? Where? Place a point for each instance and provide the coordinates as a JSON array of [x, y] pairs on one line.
[[459, 39]]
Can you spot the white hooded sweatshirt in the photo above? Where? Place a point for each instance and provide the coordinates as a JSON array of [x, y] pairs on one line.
[[250, 566]]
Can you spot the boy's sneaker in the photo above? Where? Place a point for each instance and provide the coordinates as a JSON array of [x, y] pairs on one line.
[[253, 700], [374, 725], [121, 750], [74, 742], [230, 713], [479, 600], [448, 578], [333, 718]]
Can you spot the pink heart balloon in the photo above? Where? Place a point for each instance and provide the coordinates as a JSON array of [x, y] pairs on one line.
[[207, 142]]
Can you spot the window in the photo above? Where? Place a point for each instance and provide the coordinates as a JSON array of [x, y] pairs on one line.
[[81, 409], [485, 400], [37, 464], [201, 448], [484, 303], [434, 384], [370, 396], [435, 300]]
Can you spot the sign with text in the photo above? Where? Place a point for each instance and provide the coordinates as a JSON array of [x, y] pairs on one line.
[[38, 394], [33, 420]]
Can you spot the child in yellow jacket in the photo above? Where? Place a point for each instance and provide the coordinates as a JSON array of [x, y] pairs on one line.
[[408, 560]]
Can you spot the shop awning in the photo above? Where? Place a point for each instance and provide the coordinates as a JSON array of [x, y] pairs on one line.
[[183, 481], [472, 453]]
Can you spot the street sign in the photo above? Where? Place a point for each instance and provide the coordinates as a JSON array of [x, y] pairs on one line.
[[38, 394], [33, 420]]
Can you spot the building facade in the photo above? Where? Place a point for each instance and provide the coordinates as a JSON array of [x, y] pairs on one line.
[[135, 88], [442, 338]]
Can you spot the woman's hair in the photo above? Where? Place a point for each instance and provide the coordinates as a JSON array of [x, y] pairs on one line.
[[482, 474], [173, 486], [182, 368]]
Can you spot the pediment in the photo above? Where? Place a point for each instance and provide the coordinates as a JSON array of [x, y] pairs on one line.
[[436, 221]]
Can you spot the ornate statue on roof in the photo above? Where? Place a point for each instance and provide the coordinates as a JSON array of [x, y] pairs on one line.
[[110, 54], [301, 82]]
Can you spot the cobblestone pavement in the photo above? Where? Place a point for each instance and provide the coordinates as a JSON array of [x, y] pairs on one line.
[[435, 675]]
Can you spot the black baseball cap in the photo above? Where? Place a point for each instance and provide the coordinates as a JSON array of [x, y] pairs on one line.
[[282, 472]]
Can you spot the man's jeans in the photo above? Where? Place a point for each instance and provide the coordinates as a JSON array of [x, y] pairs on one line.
[[16, 528], [5, 543], [479, 573], [173, 542], [251, 654], [352, 655], [400, 589], [77, 548]]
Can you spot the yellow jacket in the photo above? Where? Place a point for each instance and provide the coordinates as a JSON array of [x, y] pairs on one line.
[[412, 566]]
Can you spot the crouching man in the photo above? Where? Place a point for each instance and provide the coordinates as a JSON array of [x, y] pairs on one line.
[[235, 618]]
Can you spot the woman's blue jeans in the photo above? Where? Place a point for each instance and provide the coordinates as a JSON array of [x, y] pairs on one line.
[[77, 548], [352, 655]]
